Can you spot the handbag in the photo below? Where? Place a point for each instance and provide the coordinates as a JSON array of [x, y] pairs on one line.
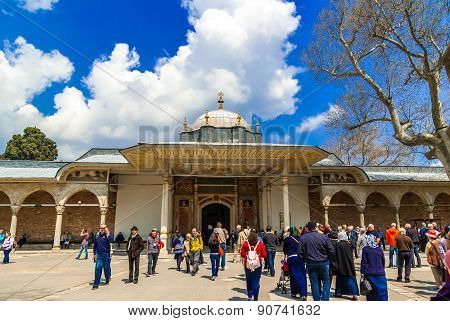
[[220, 251], [364, 286]]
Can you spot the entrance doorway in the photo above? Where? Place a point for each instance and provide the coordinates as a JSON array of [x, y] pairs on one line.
[[213, 213]]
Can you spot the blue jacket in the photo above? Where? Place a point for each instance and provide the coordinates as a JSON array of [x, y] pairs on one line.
[[315, 248], [102, 244], [372, 261], [290, 245]]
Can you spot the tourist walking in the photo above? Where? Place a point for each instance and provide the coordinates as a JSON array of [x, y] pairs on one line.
[[243, 236], [235, 242], [153, 247], [7, 246], [2, 237], [414, 235], [178, 249], [444, 246], [372, 269], [391, 235], [353, 239], [62, 240], [215, 248], [119, 239], [423, 239], [84, 244], [444, 293], [102, 255], [222, 235], [345, 269], [404, 246], [195, 248], [270, 242], [316, 250], [297, 271], [135, 246], [186, 252], [433, 257], [362, 240], [252, 253]]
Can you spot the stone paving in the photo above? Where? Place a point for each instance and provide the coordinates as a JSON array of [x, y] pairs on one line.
[[43, 275]]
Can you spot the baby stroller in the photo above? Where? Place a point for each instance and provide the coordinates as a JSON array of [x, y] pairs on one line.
[[284, 280]]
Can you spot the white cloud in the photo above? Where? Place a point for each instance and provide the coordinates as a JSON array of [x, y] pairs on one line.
[[314, 122], [35, 5], [237, 46]]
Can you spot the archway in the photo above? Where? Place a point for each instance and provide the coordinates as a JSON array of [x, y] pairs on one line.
[[379, 211], [37, 218], [82, 212], [213, 213], [5, 212], [441, 212], [411, 207], [342, 210]]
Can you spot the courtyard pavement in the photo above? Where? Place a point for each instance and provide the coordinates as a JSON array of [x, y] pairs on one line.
[[43, 275]]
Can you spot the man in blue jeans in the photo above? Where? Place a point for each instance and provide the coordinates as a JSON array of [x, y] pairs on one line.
[[316, 250], [102, 257], [222, 236], [270, 241]]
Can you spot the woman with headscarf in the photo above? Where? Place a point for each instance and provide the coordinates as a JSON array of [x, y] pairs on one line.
[[444, 292], [297, 270], [345, 270], [372, 269]]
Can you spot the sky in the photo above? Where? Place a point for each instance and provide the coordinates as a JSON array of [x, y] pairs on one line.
[[112, 73]]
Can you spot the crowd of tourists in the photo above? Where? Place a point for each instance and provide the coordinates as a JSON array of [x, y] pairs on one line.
[[314, 252]]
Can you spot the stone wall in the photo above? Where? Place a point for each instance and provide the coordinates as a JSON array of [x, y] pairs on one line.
[[5, 212], [442, 209], [338, 215], [378, 211], [411, 207]]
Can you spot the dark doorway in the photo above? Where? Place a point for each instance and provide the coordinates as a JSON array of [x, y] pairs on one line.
[[213, 213]]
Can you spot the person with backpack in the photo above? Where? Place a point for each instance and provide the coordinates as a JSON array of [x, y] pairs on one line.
[[186, 252], [195, 249], [243, 236], [178, 249], [270, 241], [216, 251], [297, 271], [153, 247], [102, 255], [444, 246], [234, 242], [252, 253], [7, 247], [433, 258]]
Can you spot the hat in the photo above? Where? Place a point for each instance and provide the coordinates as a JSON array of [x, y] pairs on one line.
[[154, 230], [134, 228], [432, 233]]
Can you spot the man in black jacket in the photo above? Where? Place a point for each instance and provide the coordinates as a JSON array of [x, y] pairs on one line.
[[135, 245], [414, 235]]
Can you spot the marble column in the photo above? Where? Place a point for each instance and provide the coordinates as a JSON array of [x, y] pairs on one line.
[[260, 222], [195, 216], [397, 216], [360, 209], [165, 214], [58, 227], [14, 211], [286, 214], [269, 204], [325, 215], [103, 212], [430, 209]]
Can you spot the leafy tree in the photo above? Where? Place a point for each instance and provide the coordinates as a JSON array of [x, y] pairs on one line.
[[393, 59], [32, 145]]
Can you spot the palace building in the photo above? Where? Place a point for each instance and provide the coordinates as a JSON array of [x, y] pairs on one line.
[[218, 171]]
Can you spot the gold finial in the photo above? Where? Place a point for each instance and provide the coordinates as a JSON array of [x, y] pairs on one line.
[[220, 101], [185, 125], [239, 119], [206, 117]]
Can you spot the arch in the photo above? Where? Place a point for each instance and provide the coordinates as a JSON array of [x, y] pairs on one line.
[[37, 196], [213, 213], [386, 196], [70, 193], [379, 210], [37, 217], [5, 211], [412, 206], [349, 192], [342, 210], [82, 212], [211, 200], [441, 211]]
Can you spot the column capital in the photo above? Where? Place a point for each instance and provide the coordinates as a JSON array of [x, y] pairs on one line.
[[15, 209], [103, 210], [430, 208], [360, 208], [60, 209], [284, 180]]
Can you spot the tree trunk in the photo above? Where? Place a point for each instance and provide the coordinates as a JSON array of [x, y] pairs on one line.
[[443, 151]]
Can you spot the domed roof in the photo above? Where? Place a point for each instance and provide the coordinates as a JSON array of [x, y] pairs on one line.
[[220, 118]]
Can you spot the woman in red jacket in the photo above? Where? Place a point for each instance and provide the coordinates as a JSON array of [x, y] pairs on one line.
[[253, 251]]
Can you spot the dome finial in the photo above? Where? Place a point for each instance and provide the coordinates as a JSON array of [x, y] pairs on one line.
[[185, 125], [257, 126], [220, 101], [206, 117], [239, 118]]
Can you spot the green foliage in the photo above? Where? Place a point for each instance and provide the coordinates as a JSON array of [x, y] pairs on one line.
[[32, 145]]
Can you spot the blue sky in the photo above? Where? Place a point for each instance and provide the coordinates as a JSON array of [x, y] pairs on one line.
[[90, 30]]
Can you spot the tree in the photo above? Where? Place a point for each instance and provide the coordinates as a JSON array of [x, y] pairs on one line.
[[364, 147], [32, 145], [390, 55]]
